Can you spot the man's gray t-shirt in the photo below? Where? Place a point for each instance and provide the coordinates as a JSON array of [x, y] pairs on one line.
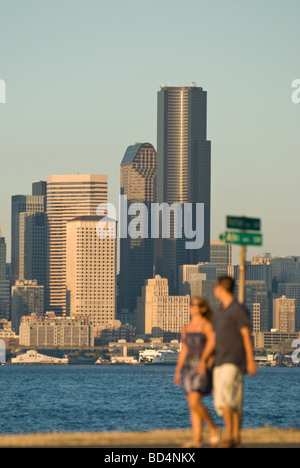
[[229, 343]]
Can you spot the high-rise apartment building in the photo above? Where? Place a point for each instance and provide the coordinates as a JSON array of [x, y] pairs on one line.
[[91, 269], [183, 173], [138, 174], [284, 314], [31, 205], [160, 314], [68, 197], [292, 291]]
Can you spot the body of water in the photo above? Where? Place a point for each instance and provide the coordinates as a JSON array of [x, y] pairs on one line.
[[128, 398]]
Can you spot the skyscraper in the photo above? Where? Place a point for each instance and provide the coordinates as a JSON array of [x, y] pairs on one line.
[[259, 273], [91, 270], [68, 196], [4, 282], [27, 297], [32, 247], [183, 171], [257, 302], [221, 256], [138, 173], [31, 205], [39, 188], [2, 256]]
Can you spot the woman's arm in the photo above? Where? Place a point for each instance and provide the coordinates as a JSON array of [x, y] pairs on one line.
[[209, 347], [181, 359]]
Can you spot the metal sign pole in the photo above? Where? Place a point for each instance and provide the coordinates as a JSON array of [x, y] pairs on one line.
[[242, 238], [242, 274]]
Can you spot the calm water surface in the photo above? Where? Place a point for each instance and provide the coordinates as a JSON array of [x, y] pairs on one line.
[[108, 398]]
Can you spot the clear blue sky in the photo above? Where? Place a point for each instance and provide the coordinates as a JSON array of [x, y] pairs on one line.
[[82, 78]]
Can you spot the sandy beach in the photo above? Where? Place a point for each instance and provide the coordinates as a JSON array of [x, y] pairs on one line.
[[251, 438]]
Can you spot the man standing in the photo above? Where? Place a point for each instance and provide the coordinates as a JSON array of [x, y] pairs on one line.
[[233, 357]]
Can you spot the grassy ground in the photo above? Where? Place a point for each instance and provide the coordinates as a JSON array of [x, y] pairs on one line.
[[251, 438]]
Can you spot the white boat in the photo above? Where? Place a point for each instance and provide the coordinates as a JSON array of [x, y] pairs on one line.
[[166, 357], [99, 361], [147, 355], [162, 356]]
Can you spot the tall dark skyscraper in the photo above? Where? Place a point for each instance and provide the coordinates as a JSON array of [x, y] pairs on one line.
[[28, 211], [138, 173], [4, 283], [40, 188], [183, 172], [2, 256]]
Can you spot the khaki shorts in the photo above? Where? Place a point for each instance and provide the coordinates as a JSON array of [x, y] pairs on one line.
[[228, 388]]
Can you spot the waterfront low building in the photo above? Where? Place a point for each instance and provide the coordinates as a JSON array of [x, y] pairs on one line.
[[113, 331], [53, 331], [272, 339], [7, 335], [33, 357]]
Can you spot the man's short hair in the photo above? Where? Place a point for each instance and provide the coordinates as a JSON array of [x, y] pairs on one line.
[[227, 282]]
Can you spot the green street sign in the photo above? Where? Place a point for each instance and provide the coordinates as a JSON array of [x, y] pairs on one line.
[[241, 238], [251, 224]]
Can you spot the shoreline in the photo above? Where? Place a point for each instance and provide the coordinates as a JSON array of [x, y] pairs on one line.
[[169, 438]]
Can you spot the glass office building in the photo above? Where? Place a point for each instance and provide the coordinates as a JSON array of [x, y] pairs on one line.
[[183, 172]]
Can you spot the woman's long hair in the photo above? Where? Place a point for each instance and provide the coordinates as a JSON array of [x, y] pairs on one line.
[[204, 304]]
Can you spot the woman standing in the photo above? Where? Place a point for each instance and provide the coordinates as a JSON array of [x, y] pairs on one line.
[[195, 337]]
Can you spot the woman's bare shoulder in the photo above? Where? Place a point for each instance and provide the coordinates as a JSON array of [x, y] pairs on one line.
[[208, 326], [184, 330]]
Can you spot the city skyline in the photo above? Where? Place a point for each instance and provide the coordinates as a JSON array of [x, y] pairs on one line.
[[149, 225], [252, 120]]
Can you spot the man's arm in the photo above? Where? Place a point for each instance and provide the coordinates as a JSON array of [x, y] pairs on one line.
[[209, 348], [251, 366]]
